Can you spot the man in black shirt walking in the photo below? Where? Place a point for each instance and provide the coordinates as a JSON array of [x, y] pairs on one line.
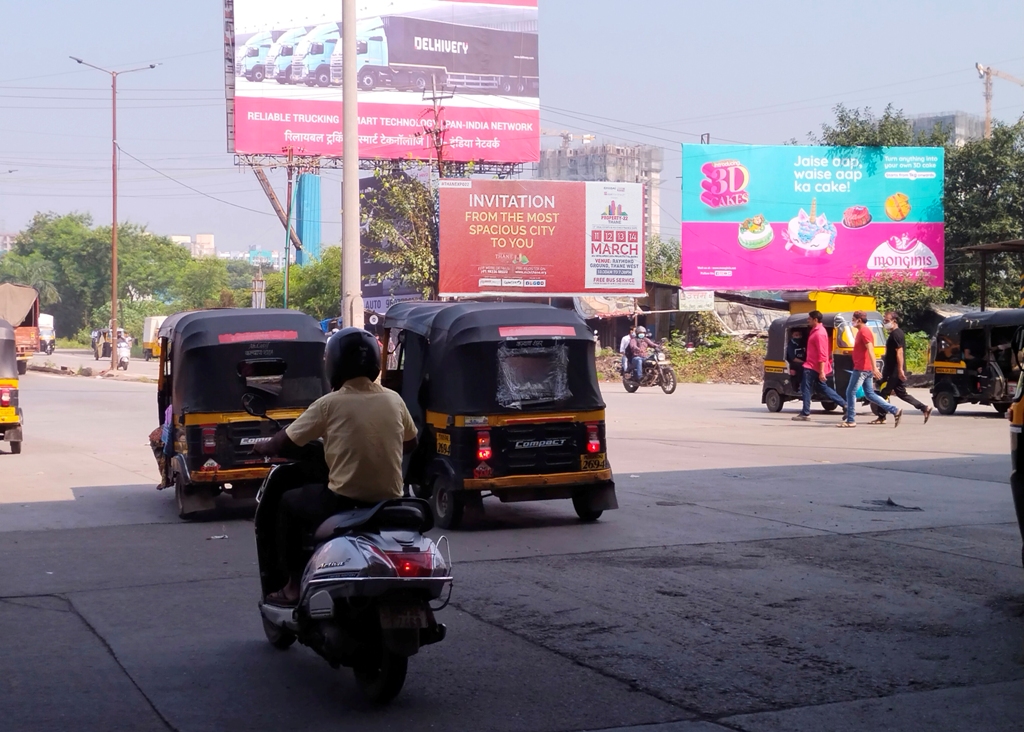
[[894, 376]]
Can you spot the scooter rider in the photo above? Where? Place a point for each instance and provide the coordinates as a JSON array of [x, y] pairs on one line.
[[365, 429], [638, 352]]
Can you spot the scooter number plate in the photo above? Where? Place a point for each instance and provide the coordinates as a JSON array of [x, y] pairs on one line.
[[402, 618], [592, 462]]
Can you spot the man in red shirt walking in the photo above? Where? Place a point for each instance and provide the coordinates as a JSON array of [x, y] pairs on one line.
[[817, 367], [865, 372]]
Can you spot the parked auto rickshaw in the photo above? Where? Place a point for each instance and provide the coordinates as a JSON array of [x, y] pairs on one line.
[[10, 410], [150, 336], [972, 360], [102, 345], [507, 403], [209, 360], [780, 386]]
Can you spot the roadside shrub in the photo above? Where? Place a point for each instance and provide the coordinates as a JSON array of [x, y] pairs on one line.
[[916, 353]]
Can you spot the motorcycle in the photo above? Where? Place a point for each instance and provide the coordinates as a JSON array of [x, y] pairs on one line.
[[657, 371], [366, 592], [124, 355]]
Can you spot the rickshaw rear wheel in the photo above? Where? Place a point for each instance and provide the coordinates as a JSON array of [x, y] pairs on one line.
[[22, 367], [945, 402], [829, 406], [15, 448], [773, 400], [279, 638], [581, 502], [447, 504]]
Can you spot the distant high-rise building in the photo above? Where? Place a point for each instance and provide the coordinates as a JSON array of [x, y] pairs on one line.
[[959, 127], [203, 246], [7, 242], [612, 163]]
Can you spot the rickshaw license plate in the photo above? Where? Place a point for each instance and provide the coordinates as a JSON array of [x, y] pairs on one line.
[[592, 462], [402, 617]]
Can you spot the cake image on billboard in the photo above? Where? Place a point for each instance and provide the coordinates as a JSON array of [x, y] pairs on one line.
[[810, 234], [856, 216], [897, 206], [755, 233]]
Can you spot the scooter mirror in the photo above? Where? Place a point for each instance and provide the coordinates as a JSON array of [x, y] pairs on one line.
[[254, 405]]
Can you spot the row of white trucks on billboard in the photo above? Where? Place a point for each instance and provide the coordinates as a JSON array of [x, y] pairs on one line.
[[398, 52]]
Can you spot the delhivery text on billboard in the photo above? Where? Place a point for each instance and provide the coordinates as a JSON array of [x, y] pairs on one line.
[[482, 57]]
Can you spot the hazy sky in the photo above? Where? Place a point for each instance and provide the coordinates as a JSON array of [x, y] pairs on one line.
[[654, 71]]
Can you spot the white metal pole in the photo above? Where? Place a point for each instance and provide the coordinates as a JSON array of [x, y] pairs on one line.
[[351, 272]]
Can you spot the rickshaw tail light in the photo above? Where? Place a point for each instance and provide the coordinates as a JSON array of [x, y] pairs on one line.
[[5, 397], [593, 438], [483, 445], [209, 440]]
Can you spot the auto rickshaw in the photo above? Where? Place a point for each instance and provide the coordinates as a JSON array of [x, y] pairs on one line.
[[209, 361], [972, 360], [506, 400], [780, 386], [1016, 414], [10, 411], [102, 345], [150, 339]]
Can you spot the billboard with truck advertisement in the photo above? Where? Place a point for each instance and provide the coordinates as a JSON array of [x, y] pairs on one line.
[[284, 76], [541, 238], [787, 217]]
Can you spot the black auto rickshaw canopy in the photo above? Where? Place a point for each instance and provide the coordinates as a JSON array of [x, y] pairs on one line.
[[832, 321], [953, 325], [211, 358], [472, 358], [8, 352]]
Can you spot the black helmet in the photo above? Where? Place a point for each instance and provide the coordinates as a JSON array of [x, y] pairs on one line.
[[351, 352]]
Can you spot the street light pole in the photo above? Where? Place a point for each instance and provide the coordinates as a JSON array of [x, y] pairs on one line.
[[351, 278], [113, 192]]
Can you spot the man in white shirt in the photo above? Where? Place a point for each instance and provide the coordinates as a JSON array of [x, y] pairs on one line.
[[623, 344]]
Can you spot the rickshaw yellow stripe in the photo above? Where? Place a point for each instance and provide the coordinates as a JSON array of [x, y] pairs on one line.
[[776, 364], [950, 364], [9, 383], [531, 481], [197, 418], [441, 421]]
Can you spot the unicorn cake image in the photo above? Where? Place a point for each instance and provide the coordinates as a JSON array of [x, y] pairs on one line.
[[809, 234]]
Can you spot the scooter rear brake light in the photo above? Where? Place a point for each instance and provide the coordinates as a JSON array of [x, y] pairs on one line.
[[377, 562], [5, 397], [483, 445], [593, 437], [209, 440], [413, 564]]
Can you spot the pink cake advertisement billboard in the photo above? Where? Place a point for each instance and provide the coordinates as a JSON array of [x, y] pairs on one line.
[[283, 67], [758, 217]]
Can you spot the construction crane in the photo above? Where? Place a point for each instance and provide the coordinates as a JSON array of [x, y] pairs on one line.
[[568, 137], [986, 73]]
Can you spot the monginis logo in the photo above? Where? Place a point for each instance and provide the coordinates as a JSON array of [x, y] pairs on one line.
[[902, 253], [725, 184]]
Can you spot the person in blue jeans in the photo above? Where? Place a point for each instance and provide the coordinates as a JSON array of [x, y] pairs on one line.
[[817, 367], [865, 372]]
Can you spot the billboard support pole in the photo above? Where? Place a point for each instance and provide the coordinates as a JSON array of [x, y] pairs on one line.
[[351, 271], [288, 229]]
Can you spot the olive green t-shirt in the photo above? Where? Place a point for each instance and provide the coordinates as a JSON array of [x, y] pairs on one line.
[[363, 426]]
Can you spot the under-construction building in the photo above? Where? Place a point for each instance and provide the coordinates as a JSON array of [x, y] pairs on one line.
[[611, 163], [958, 127]]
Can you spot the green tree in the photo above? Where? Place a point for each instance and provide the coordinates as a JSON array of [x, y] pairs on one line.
[[400, 230], [314, 288], [200, 284], [908, 293], [34, 271], [984, 203], [860, 127], [663, 260]]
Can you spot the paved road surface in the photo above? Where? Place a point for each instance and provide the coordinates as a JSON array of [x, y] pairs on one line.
[[75, 359], [755, 578]]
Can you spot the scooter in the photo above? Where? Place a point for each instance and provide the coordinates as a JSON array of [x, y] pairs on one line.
[[124, 355], [366, 592]]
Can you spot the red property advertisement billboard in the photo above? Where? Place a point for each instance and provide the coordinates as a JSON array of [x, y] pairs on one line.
[[541, 238], [283, 64]]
